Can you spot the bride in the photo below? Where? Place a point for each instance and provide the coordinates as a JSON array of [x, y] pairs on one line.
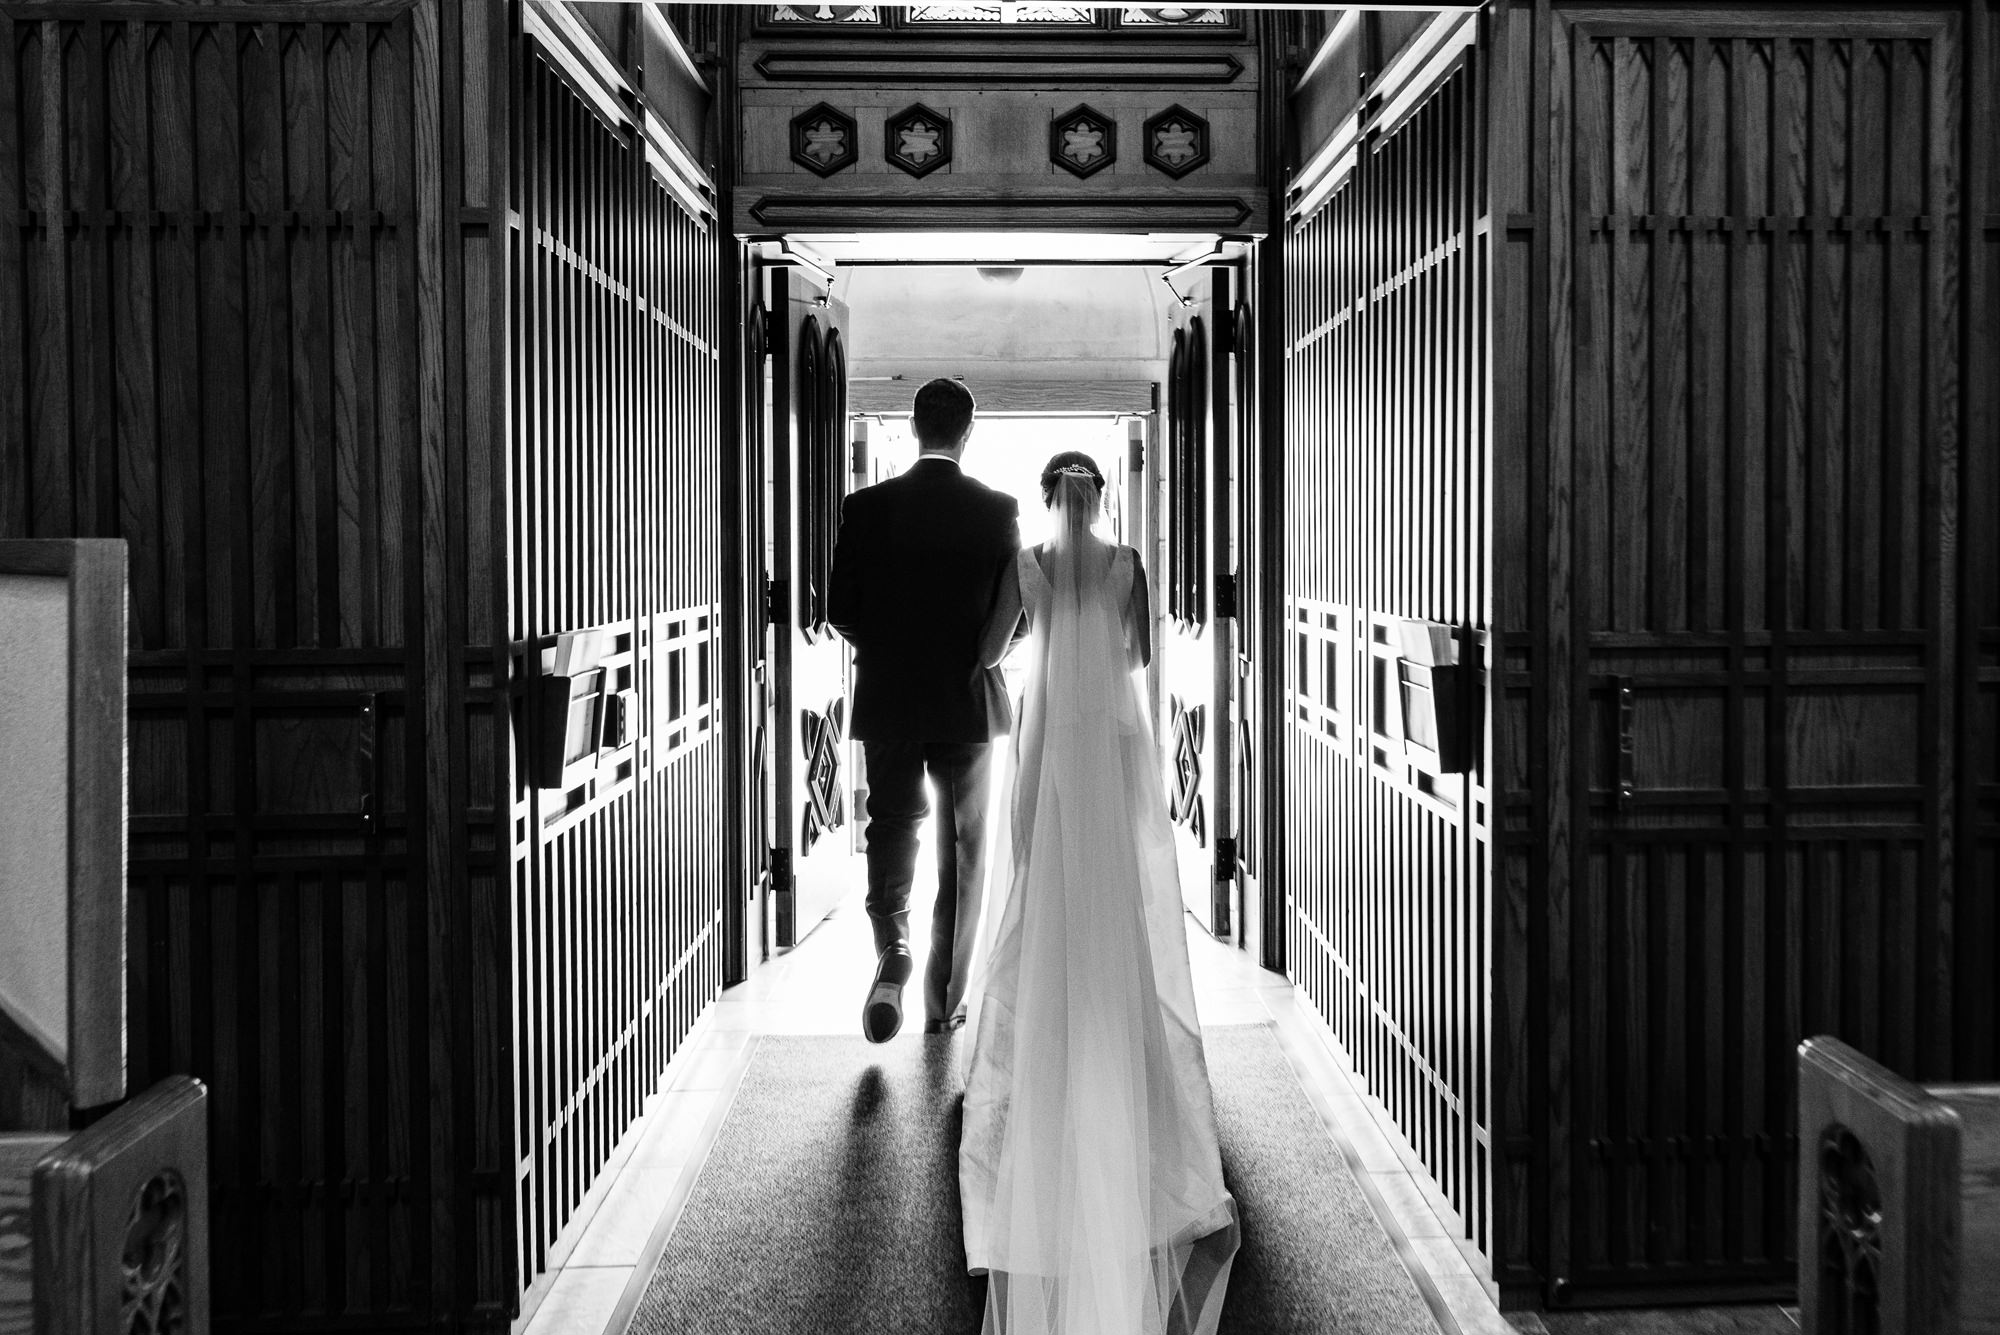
[[1088, 1167]]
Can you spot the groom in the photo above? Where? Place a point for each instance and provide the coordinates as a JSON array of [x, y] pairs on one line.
[[915, 570]]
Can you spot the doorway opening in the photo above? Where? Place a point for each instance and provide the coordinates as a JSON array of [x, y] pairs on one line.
[[1133, 349]]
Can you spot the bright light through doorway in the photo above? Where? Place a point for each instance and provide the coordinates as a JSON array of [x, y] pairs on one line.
[[1007, 453]]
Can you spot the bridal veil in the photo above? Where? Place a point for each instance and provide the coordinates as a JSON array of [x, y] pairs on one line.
[[1089, 1169]]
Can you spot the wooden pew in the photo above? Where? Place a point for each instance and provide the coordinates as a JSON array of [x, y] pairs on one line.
[[1899, 1200], [105, 1232], [103, 1229]]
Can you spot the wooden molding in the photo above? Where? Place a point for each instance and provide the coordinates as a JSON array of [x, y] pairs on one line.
[[1193, 213], [871, 68]]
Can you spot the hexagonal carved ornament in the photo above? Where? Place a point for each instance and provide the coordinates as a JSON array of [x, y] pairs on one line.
[[1083, 140], [1176, 141], [919, 139], [823, 140]]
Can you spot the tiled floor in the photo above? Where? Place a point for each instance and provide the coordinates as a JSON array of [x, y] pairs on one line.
[[609, 1252]]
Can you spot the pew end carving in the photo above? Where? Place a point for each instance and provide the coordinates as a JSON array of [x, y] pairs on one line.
[[120, 1220], [1899, 1200]]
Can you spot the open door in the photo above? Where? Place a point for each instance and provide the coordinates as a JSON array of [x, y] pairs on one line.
[[813, 833], [1200, 674]]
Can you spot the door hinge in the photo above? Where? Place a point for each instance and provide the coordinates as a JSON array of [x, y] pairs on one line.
[[781, 870], [1135, 455], [1225, 595], [1225, 858], [777, 601]]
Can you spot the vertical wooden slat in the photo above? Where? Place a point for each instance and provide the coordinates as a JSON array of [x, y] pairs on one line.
[[612, 513], [1383, 862]]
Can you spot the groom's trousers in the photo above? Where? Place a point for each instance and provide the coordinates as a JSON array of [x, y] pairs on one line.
[[961, 773]]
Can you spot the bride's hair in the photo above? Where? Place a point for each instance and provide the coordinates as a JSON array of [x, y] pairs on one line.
[[1053, 470]]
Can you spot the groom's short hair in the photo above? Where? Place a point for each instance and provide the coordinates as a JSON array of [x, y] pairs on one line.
[[942, 413]]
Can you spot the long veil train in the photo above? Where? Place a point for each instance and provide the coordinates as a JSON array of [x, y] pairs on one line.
[[1089, 1170]]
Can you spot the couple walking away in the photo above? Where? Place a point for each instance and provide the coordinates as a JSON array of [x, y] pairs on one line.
[[1089, 1174]]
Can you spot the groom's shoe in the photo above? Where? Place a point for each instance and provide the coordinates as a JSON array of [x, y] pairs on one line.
[[882, 1016]]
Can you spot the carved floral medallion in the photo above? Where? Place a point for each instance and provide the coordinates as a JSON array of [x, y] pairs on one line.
[[919, 139], [1176, 141], [1083, 140], [823, 140]]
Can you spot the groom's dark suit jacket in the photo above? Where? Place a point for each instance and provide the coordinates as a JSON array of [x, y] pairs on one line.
[[914, 573]]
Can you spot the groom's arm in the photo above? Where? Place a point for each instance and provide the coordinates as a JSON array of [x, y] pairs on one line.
[[1013, 551], [844, 585]]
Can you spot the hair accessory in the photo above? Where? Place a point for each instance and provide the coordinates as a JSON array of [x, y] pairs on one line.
[[1078, 470]]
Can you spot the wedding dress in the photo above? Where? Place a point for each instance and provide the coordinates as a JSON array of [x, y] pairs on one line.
[[1088, 1166]]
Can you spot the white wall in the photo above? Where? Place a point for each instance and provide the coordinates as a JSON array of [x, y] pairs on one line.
[[1071, 322]]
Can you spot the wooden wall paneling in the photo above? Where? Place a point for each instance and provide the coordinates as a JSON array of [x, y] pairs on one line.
[[1385, 865], [1977, 926], [231, 310], [1754, 443], [616, 459]]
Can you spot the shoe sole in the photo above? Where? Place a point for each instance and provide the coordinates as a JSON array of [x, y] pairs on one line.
[[880, 1021]]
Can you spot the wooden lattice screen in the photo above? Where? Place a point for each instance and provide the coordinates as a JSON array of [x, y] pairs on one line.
[[1385, 520], [615, 508]]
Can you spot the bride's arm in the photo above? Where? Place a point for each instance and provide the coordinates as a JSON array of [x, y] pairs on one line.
[[1138, 619], [998, 636]]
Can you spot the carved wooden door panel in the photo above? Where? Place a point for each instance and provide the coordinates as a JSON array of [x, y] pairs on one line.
[[815, 849], [760, 684], [1246, 585], [1757, 417], [1198, 646]]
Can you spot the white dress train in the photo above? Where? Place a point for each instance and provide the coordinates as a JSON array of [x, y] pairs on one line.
[[1088, 1166]]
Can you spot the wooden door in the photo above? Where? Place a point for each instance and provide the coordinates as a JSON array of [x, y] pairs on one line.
[[750, 936], [1757, 424], [815, 841], [1198, 648], [1244, 582]]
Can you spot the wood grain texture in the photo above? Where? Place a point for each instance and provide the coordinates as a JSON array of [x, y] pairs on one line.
[[231, 223], [1755, 365]]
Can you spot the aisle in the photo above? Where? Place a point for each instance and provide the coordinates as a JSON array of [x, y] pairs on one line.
[[830, 1202], [807, 1179]]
